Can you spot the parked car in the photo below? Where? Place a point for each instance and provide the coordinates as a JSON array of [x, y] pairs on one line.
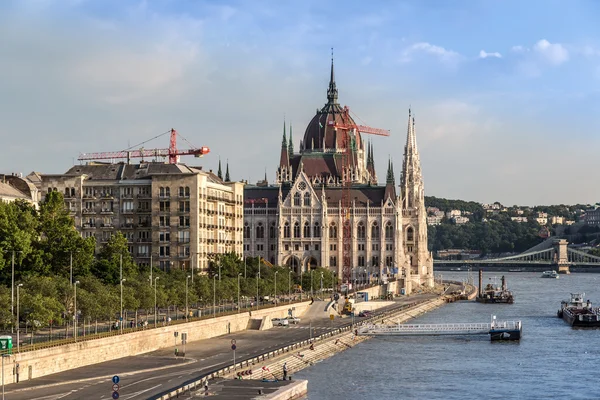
[[280, 322], [364, 313], [293, 320]]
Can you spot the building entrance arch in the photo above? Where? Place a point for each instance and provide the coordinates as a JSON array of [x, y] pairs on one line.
[[293, 263], [311, 263]]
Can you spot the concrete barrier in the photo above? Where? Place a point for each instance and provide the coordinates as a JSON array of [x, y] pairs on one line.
[[37, 363]]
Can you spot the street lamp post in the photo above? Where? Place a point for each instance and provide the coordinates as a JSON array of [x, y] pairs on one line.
[[18, 324], [301, 283], [3, 355], [186, 297], [257, 277], [155, 308], [214, 296], [290, 286], [121, 323], [75, 309], [311, 284], [276, 286], [12, 291], [239, 304], [151, 269], [321, 284]]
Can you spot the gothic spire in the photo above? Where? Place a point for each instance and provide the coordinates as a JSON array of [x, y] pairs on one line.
[[390, 174], [291, 143], [411, 179], [219, 172], [284, 143], [227, 173], [332, 92]]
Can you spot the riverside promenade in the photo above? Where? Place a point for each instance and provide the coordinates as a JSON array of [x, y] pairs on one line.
[[151, 374]]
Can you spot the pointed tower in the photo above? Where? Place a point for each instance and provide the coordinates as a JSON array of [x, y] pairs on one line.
[[284, 170], [413, 210], [219, 172], [371, 165], [227, 172], [390, 184], [291, 144]]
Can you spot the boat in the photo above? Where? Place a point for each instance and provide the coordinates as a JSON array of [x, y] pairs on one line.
[[515, 270], [505, 330], [455, 269], [494, 294], [550, 274], [576, 312]]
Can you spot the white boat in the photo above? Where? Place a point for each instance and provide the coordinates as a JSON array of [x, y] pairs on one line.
[[550, 274]]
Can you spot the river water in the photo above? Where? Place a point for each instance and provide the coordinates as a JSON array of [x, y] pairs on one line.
[[551, 361]]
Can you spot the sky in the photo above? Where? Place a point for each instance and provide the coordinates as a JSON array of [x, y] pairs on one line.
[[506, 94]]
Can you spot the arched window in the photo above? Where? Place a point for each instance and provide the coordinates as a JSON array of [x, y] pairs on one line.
[[67, 192], [332, 231], [317, 230], [296, 230], [410, 234], [260, 231], [389, 231], [181, 191], [187, 191], [272, 231], [306, 199], [286, 230], [72, 192], [297, 199], [168, 191], [306, 230], [360, 231], [246, 231], [375, 231]]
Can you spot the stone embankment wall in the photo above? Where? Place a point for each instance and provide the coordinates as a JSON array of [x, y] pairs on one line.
[[34, 364]]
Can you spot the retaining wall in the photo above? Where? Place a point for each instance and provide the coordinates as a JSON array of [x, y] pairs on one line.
[[37, 363]]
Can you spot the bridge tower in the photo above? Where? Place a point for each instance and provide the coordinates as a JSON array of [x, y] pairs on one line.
[[562, 256]]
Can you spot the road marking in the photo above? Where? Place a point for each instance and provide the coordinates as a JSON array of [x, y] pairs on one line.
[[132, 395]]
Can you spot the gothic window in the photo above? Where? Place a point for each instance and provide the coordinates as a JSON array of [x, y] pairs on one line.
[[389, 260], [272, 231], [360, 231], [297, 199], [389, 231], [410, 234], [286, 230], [333, 261], [361, 261], [296, 230], [306, 230], [306, 199], [332, 231], [317, 230], [375, 261], [374, 231], [260, 231]]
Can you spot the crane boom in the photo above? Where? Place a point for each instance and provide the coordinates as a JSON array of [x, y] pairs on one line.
[[172, 152]]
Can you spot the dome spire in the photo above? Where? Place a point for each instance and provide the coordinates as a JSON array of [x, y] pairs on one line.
[[332, 92]]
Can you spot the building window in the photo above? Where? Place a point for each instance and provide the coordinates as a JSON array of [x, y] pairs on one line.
[[184, 221], [389, 231], [389, 247], [164, 237], [296, 247], [375, 261], [316, 247], [164, 191], [361, 247], [165, 206], [165, 221], [287, 247], [259, 247], [375, 247], [333, 261], [272, 230], [296, 230], [272, 247], [165, 251], [184, 206], [260, 231], [317, 230], [246, 231], [332, 231], [286, 230], [361, 261], [306, 199], [410, 234], [306, 230], [389, 260], [297, 199], [306, 247], [360, 231], [184, 237], [333, 247], [374, 231]]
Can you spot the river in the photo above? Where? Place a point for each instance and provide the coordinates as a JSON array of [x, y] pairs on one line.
[[552, 360]]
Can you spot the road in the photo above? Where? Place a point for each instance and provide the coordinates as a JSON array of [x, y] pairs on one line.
[[150, 374]]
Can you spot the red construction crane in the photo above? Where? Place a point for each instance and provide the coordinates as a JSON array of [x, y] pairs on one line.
[[349, 141], [172, 152]]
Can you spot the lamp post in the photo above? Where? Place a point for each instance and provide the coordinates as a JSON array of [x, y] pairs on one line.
[[311, 283], [151, 269], [321, 284], [18, 324], [12, 290], [3, 355], [75, 309], [214, 296], [155, 308], [257, 276], [238, 305], [276, 286], [301, 283], [245, 267], [121, 323], [290, 286], [186, 297]]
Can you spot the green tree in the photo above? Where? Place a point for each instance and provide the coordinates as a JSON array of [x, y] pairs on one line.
[[108, 265]]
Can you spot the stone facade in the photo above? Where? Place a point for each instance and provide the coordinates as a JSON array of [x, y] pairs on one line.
[[298, 221], [173, 216]]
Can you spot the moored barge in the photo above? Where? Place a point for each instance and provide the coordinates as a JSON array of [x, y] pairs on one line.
[[578, 313], [494, 294]]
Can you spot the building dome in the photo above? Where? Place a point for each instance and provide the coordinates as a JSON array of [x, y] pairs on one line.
[[321, 134]]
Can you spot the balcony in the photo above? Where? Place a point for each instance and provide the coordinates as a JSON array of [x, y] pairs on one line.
[[127, 211], [144, 240], [88, 226], [127, 196], [144, 211], [106, 212], [106, 226], [183, 240], [89, 196], [88, 211], [107, 196], [144, 196], [128, 226]]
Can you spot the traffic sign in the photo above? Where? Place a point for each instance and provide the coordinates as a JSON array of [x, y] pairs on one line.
[[233, 341], [115, 395], [115, 388], [233, 347], [115, 379]]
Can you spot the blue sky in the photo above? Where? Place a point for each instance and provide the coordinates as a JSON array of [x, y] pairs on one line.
[[506, 94]]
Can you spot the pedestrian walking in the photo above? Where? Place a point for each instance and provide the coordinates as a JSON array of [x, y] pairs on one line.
[[284, 371]]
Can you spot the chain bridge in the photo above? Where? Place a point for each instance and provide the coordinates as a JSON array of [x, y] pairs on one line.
[[555, 253]]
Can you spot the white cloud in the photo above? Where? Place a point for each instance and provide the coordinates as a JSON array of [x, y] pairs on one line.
[[484, 54], [555, 53], [444, 55], [519, 49]]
